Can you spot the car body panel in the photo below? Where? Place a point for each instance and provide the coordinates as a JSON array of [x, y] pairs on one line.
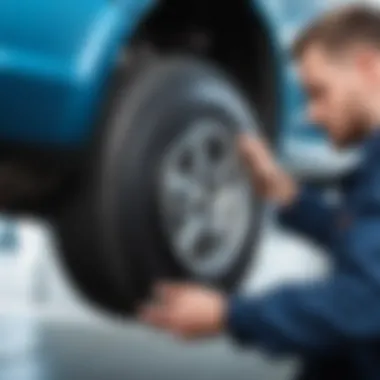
[[55, 59]]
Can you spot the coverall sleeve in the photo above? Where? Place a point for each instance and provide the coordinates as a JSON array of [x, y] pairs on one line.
[[310, 216], [320, 317]]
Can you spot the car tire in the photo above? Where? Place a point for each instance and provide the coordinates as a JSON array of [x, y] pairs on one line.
[[116, 232]]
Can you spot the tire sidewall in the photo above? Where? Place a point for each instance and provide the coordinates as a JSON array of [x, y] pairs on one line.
[[161, 104]]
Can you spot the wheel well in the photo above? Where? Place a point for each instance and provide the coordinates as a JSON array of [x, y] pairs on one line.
[[233, 34]]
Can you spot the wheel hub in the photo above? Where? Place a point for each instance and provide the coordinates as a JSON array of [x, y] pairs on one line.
[[205, 198]]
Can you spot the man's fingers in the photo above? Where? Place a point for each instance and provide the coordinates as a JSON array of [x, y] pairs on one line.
[[169, 291], [254, 150], [155, 315], [166, 291], [164, 318], [251, 156], [260, 161]]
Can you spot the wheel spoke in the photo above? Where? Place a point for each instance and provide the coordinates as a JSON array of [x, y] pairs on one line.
[[181, 187], [228, 205], [189, 235]]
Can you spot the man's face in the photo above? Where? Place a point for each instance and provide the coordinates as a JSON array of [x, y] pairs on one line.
[[337, 87]]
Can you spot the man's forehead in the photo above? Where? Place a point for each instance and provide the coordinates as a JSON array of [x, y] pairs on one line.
[[315, 64], [317, 56]]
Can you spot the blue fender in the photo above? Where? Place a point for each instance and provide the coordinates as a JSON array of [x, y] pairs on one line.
[[55, 58]]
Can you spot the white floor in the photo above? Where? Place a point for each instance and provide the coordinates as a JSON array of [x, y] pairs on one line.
[[75, 341]]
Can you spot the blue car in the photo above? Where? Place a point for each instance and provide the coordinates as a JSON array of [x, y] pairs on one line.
[[117, 123]]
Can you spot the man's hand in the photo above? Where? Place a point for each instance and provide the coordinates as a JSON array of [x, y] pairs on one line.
[[270, 180], [185, 310]]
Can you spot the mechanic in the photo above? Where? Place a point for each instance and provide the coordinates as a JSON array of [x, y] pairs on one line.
[[332, 323]]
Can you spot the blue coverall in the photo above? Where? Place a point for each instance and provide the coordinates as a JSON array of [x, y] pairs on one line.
[[337, 317]]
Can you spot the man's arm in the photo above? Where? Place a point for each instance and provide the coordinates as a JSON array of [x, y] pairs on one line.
[[310, 216], [323, 317], [302, 209]]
